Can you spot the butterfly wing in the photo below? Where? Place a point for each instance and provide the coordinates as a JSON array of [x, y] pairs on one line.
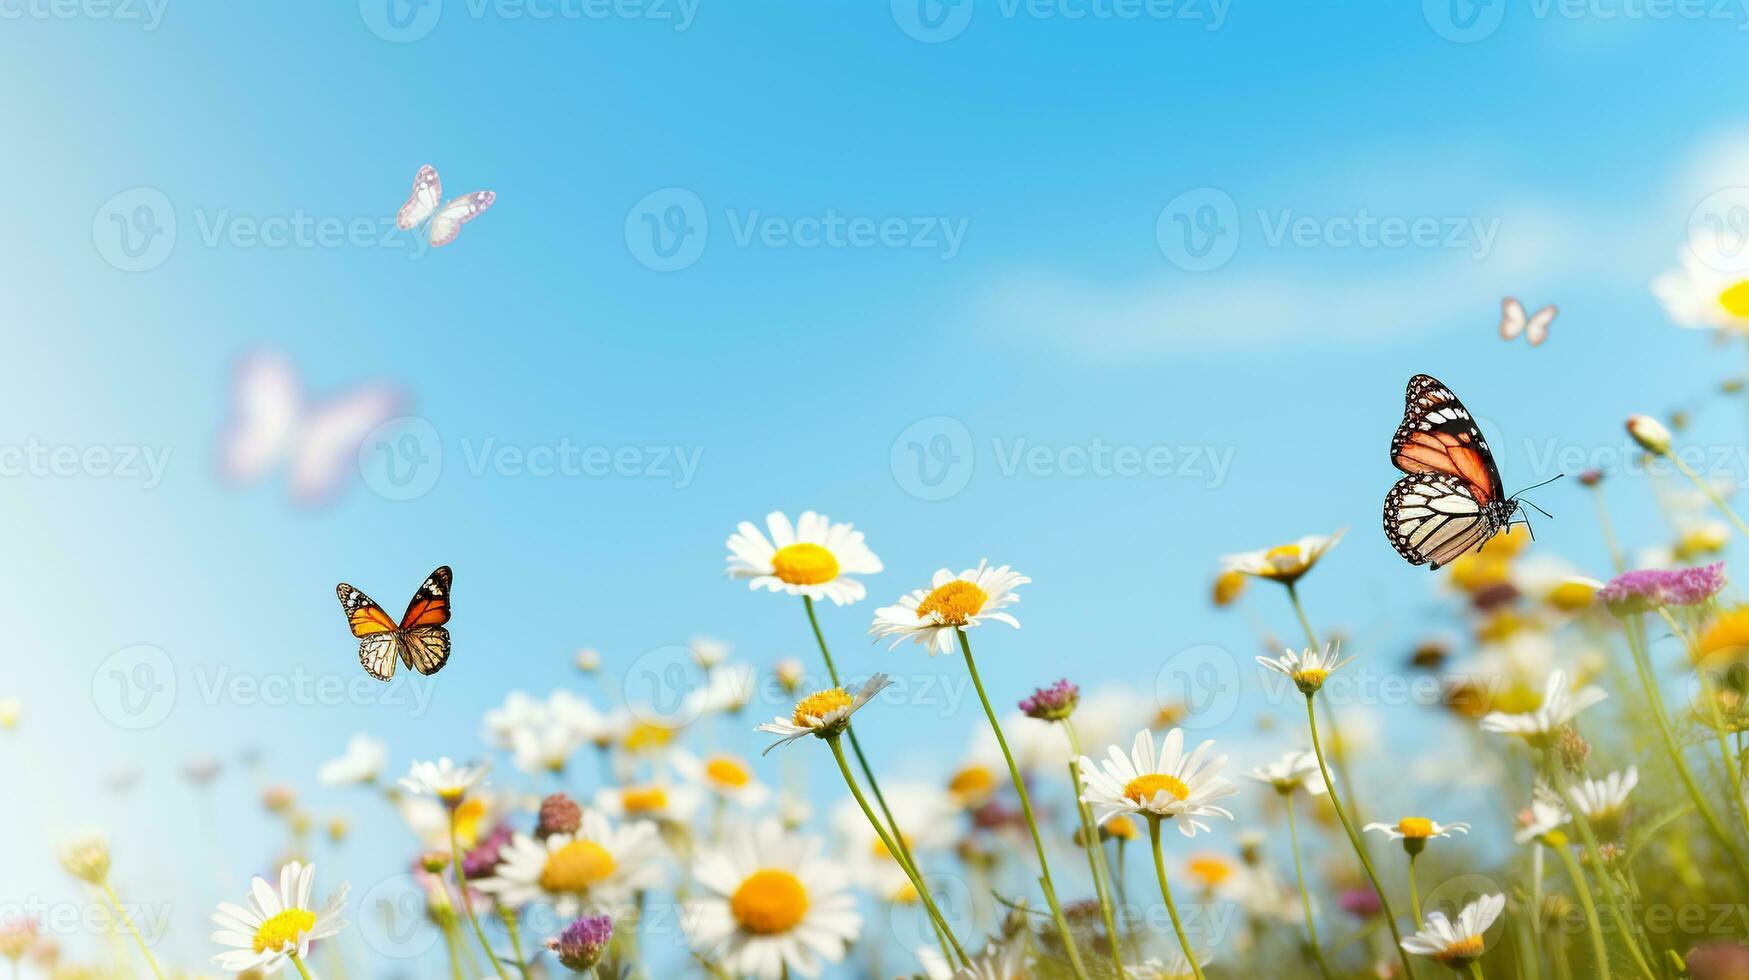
[[1438, 435], [1537, 329], [430, 605], [425, 648], [264, 420], [328, 440], [378, 641], [1434, 517], [448, 221], [422, 203], [1511, 318]]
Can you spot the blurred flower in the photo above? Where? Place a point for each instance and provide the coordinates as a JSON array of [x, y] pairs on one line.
[[656, 802], [10, 710], [1720, 959], [728, 688], [1362, 903], [546, 747], [1457, 944], [935, 617], [1650, 433], [1053, 703], [518, 711], [724, 775], [86, 857], [588, 661], [17, 936], [1541, 821], [1591, 477], [1573, 594], [1297, 770], [1698, 537], [443, 779], [789, 673], [1229, 585], [1651, 588], [1164, 785], [1728, 634], [1308, 669], [580, 945], [596, 867], [823, 713], [1703, 295], [1171, 965], [202, 769], [279, 799], [1210, 871], [359, 765], [429, 818], [811, 558], [772, 905], [708, 651], [1603, 801], [559, 814], [1559, 707], [276, 925], [1415, 832], [927, 821], [1007, 960], [1283, 563]]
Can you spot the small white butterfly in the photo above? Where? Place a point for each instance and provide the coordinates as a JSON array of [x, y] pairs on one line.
[[1513, 322], [273, 424], [447, 220]]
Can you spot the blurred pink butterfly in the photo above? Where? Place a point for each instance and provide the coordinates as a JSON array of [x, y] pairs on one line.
[[273, 424], [1513, 322], [447, 220]]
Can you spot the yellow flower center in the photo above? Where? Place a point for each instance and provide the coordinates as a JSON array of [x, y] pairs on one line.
[[643, 799], [1463, 949], [972, 782], [1415, 828], [1735, 299], [1283, 555], [1314, 676], [645, 736], [1209, 869], [804, 564], [1142, 788], [282, 931], [1122, 828], [1228, 585], [769, 902], [572, 869], [819, 704], [727, 772], [954, 603], [467, 821]]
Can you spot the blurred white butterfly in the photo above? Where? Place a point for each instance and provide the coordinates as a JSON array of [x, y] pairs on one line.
[[1513, 322], [273, 424], [447, 220]]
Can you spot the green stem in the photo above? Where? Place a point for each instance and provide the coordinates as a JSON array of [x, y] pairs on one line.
[[1414, 893], [893, 848], [1598, 951], [1609, 540], [1707, 489], [1359, 846], [453, 944], [1166, 893], [139, 940], [509, 916], [1476, 970], [1649, 681], [1293, 833], [1026, 810], [1339, 751], [1095, 851], [1710, 695], [299, 963], [461, 879]]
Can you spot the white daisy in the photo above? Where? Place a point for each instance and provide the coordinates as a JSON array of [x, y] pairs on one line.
[[1172, 966], [1543, 817], [1308, 669], [1170, 784], [824, 713], [1008, 960], [276, 925], [589, 723], [519, 711], [1559, 707], [657, 802], [1415, 832], [723, 775], [1456, 944], [443, 779], [811, 558], [1283, 563], [359, 765], [597, 867], [1603, 800], [546, 747], [1297, 770], [1704, 294], [925, 818], [727, 689], [475, 817], [773, 903], [953, 603]]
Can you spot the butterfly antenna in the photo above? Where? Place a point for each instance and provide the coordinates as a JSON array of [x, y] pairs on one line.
[[1534, 486]]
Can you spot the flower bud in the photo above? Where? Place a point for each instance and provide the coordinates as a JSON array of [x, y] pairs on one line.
[[1649, 433]]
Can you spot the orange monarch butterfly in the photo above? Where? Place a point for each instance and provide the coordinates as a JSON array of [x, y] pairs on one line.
[[419, 640], [1452, 501]]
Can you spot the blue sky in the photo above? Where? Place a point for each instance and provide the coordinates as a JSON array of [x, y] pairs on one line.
[[1025, 296]]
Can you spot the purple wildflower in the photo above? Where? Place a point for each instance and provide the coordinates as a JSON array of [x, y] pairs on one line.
[[559, 814], [1362, 903], [1053, 703], [482, 858], [1651, 588], [580, 946]]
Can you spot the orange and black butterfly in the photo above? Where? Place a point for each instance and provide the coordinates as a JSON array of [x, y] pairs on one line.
[[420, 641], [1452, 501]]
